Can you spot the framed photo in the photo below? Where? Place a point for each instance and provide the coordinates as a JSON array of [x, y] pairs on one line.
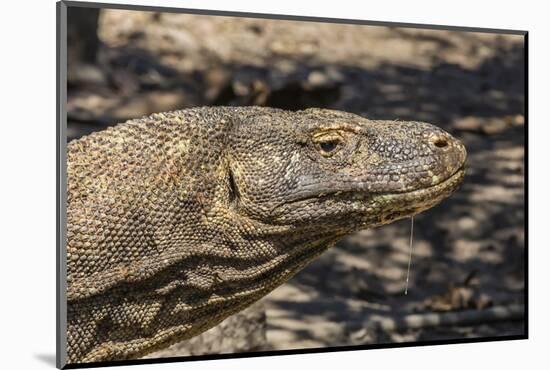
[[235, 184]]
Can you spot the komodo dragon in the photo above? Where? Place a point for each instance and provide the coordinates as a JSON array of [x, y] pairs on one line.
[[181, 219]]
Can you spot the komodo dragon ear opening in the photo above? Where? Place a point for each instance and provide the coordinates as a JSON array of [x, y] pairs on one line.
[[233, 190]]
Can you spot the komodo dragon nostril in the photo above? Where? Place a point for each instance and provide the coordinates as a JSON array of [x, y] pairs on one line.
[[439, 141]]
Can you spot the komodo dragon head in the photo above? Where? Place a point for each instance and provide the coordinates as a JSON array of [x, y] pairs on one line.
[[180, 219], [328, 173]]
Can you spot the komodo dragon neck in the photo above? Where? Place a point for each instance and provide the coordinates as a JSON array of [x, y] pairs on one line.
[[179, 220]]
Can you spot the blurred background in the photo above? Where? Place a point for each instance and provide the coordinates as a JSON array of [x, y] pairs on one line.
[[467, 273]]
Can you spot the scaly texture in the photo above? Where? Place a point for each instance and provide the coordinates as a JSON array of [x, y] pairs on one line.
[[180, 219]]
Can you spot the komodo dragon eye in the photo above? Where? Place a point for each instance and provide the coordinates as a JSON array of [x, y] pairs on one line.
[[328, 145]]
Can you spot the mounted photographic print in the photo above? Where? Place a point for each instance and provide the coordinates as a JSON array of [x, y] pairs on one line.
[[234, 184]]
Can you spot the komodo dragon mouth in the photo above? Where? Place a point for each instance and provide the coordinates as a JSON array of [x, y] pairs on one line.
[[395, 205]]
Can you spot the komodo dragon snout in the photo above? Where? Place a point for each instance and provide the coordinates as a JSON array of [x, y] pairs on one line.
[[178, 220]]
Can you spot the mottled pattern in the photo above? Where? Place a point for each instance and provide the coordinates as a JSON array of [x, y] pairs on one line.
[[180, 219]]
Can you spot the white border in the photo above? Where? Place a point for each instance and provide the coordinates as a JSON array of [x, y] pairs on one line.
[[28, 182]]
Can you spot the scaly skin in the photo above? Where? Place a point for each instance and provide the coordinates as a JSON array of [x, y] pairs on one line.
[[180, 219]]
